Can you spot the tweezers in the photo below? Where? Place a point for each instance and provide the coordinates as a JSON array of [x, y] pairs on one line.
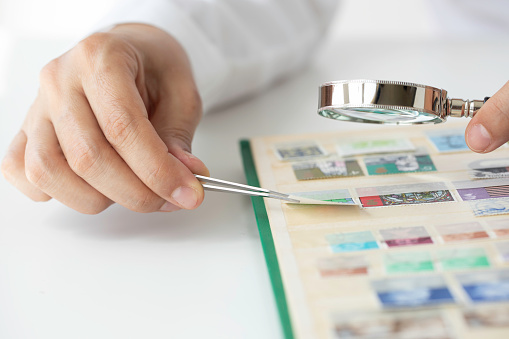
[[219, 185]]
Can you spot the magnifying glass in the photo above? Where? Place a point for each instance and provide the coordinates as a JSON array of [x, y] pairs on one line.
[[391, 102]]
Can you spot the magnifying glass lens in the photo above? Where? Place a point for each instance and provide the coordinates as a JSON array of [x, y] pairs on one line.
[[380, 115]]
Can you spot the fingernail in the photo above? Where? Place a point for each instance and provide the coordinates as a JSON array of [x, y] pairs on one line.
[[169, 207], [185, 197], [478, 138]]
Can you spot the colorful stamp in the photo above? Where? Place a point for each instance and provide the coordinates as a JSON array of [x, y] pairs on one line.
[[405, 236], [393, 325], [411, 198], [299, 151], [486, 286], [489, 168], [324, 169], [346, 149], [413, 291], [399, 163], [487, 207], [342, 265], [490, 172], [352, 241], [463, 258], [408, 262], [451, 141], [340, 196], [489, 317], [461, 232], [478, 193], [499, 227]]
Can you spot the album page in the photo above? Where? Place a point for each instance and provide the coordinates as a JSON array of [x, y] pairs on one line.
[[424, 253]]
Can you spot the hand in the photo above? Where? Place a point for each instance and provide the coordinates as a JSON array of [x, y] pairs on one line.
[[489, 128], [113, 122]]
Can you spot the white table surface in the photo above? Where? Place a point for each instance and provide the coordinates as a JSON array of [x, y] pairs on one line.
[[198, 274]]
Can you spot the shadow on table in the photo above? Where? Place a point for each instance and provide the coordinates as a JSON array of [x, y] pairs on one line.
[[221, 216]]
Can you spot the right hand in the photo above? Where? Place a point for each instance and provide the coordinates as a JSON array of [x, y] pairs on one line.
[[113, 122]]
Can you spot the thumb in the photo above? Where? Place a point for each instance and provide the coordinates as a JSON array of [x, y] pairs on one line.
[[175, 121], [489, 128]]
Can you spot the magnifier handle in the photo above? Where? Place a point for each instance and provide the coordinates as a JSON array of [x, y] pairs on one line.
[[459, 108]]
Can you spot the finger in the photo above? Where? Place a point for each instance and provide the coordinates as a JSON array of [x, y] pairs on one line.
[[122, 116], [90, 156], [47, 169], [489, 128], [175, 120], [13, 169]]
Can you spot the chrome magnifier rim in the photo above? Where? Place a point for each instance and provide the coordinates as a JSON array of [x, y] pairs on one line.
[[390, 102]]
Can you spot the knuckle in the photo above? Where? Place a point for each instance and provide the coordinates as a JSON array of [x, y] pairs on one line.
[[84, 157], [146, 203], [8, 167], [49, 73], [181, 134], [152, 178], [192, 104], [38, 169], [196, 103], [94, 45], [119, 129], [104, 51]]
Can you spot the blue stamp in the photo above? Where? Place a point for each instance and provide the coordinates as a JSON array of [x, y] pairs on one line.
[[352, 241], [490, 206], [495, 291], [413, 291], [416, 297], [486, 286], [354, 246], [453, 142]]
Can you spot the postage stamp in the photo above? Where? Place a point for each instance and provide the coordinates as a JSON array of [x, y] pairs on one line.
[[405, 236], [299, 151], [399, 163], [408, 262], [461, 231], [323, 169], [342, 265], [449, 141], [374, 146], [499, 227], [488, 192], [487, 207], [352, 241], [486, 286], [393, 325], [490, 172], [413, 291], [340, 196], [489, 168], [490, 317], [463, 258], [411, 198]]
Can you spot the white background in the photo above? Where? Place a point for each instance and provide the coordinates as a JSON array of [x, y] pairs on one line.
[[198, 274]]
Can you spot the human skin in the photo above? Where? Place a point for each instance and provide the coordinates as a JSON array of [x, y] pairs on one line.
[[489, 128], [113, 122]]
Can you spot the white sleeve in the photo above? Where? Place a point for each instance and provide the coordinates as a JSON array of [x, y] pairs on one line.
[[236, 47]]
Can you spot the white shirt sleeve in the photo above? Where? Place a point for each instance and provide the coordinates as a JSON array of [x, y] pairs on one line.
[[236, 47]]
